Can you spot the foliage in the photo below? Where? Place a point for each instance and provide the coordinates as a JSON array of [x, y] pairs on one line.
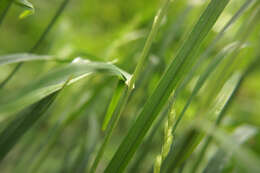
[[129, 86]]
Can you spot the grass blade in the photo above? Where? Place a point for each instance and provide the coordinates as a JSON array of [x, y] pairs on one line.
[[128, 91], [211, 67], [112, 106], [4, 6], [22, 57], [167, 83], [28, 6], [220, 158], [38, 42], [17, 128], [248, 161], [54, 80]]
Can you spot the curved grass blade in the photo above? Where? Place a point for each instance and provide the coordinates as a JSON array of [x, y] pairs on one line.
[[38, 42], [54, 80], [22, 57], [185, 150], [168, 82], [28, 6]]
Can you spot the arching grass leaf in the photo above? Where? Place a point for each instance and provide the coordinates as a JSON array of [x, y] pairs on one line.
[[29, 8], [183, 60], [22, 57], [54, 80]]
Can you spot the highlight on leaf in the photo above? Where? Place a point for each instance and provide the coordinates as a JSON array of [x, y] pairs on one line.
[[28, 6]]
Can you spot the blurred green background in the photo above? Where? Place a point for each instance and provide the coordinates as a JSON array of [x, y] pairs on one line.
[[115, 31]]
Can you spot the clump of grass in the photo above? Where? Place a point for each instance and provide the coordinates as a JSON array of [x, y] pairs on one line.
[[196, 90]]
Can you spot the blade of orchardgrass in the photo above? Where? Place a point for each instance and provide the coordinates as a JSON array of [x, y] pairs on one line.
[[15, 130], [92, 140], [168, 82], [211, 67], [181, 149], [223, 112], [221, 158], [227, 95], [23, 122], [147, 144], [201, 59], [4, 6], [78, 164], [114, 121], [38, 42], [175, 27], [50, 142], [28, 6], [54, 80], [242, 34], [212, 45], [21, 57], [127, 91], [246, 159], [155, 27], [234, 53], [112, 106], [220, 35], [178, 155], [39, 142]]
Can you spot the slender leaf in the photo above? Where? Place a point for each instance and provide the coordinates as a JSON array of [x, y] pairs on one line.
[[23, 122], [168, 82], [248, 161], [4, 6], [29, 8], [220, 158], [54, 80], [112, 106], [22, 57], [38, 42]]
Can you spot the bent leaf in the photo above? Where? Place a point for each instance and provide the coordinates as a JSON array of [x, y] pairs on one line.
[[22, 57], [184, 60], [29, 8], [54, 80]]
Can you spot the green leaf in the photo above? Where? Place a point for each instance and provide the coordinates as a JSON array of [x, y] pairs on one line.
[[4, 6], [22, 57], [220, 158], [211, 67], [23, 122], [246, 159], [54, 80], [184, 60], [112, 106], [29, 8]]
